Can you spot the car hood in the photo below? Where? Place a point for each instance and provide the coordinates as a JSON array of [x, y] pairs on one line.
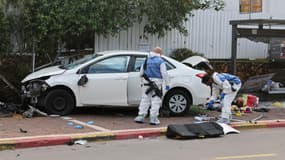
[[195, 60], [49, 71]]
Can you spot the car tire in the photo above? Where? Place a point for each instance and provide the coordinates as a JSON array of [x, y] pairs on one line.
[[59, 102], [177, 102]]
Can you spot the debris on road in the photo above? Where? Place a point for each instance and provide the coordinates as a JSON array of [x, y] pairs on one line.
[[194, 130], [81, 142], [31, 111], [23, 131], [70, 123], [78, 127], [254, 120], [90, 122], [8, 109]]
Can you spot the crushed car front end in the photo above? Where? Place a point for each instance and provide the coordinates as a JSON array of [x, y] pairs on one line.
[[33, 89]]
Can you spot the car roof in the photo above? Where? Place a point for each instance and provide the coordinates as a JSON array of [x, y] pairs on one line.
[[110, 52]]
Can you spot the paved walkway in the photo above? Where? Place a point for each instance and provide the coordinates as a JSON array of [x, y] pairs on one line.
[[19, 132]]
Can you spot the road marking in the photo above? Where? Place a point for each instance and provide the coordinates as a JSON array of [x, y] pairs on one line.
[[98, 128], [247, 156]]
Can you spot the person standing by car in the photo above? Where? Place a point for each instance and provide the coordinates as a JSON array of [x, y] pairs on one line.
[[154, 77], [229, 86]]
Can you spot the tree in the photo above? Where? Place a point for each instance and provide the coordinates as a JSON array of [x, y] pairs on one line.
[[47, 23], [4, 31], [165, 15]]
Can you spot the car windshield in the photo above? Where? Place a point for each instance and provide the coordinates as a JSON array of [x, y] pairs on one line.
[[79, 61]]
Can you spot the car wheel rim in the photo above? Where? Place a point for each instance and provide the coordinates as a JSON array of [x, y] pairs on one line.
[[177, 103], [59, 103]]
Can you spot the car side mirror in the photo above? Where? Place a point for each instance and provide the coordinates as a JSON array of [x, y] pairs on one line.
[[82, 81]]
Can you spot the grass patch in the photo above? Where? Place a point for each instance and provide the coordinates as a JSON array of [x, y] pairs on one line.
[[196, 110]]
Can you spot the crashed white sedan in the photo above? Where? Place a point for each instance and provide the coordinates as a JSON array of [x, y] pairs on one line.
[[112, 79]]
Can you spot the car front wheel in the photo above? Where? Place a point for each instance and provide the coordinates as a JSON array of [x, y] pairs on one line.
[[59, 101], [177, 102]]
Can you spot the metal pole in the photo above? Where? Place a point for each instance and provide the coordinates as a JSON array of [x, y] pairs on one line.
[[234, 48], [250, 8], [34, 56]]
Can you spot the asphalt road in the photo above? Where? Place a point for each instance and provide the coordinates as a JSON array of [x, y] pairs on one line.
[[261, 144]]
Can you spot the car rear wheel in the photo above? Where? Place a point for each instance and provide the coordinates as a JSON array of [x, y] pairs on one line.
[[59, 101], [177, 102]]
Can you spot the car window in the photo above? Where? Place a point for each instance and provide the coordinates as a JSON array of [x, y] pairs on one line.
[[116, 64], [79, 61], [169, 66], [140, 60]]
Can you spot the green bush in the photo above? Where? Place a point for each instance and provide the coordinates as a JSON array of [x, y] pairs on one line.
[[197, 110], [182, 53]]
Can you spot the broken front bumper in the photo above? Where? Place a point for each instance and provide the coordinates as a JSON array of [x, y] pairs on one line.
[[32, 90]]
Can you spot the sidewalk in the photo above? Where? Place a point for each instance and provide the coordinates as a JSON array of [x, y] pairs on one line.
[[46, 131]]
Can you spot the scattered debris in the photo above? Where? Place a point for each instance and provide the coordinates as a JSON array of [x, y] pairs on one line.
[[78, 127], [54, 115], [23, 131], [277, 104], [254, 120], [8, 109], [228, 129], [30, 112], [272, 87], [66, 118], [140, 137], [257, 118], [70, 123], [90, 122], [262, 109], [256, 83], [203, 118], [194, 130], [81, 142]]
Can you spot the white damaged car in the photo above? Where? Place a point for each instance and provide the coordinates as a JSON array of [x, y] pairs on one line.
[[112, 79]]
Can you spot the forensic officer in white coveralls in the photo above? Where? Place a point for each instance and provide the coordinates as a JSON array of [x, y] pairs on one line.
[[155, 69], [225, 85]]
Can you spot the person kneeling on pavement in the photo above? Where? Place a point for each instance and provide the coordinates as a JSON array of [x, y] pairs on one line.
[[226, 84], [154, 78]]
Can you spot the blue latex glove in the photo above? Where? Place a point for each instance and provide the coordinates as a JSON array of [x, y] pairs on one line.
[[167, 87], [222, 96], [210, 104]]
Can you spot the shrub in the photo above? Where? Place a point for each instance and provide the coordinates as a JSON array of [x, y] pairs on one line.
[[182, 53]]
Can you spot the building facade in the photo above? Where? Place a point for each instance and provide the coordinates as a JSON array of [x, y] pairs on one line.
[[209, 32]]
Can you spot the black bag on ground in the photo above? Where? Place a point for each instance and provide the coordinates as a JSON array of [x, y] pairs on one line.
[[194, 130]]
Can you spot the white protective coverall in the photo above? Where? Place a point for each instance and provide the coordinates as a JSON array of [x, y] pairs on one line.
[[149, 99], [224, 85]]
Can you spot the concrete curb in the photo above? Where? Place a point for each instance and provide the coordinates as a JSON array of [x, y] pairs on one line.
[[37, 141]]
